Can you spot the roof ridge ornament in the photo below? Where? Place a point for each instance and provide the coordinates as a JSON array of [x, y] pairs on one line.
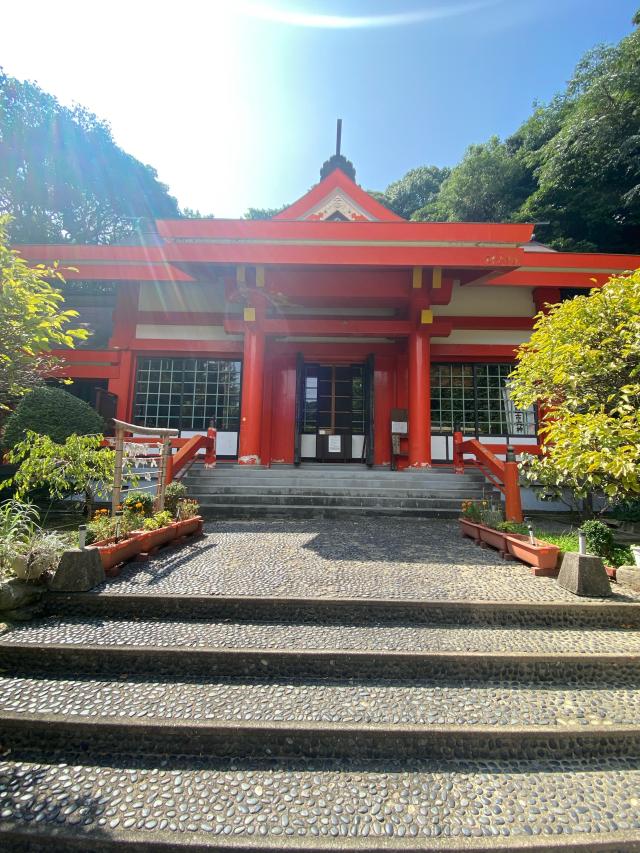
[[338, 160]]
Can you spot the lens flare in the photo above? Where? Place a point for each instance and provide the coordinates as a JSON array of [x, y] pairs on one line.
[[299, 18]]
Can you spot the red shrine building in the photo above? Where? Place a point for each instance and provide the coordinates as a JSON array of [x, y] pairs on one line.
[[306, 336]]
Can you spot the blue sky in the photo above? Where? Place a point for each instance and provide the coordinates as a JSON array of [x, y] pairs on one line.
[[234, 102]]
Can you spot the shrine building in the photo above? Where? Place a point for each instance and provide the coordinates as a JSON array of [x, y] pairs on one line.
[[305, 336]]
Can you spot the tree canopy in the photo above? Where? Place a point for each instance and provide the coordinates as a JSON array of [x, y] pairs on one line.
[[63, 177], [574, 163], [582, 364]]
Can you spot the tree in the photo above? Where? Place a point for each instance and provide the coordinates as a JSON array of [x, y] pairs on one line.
[[582, 364], [32, 322], [264, 212], [52, 412], [418, 188], [62, 176], [79, 466], [489, 185]]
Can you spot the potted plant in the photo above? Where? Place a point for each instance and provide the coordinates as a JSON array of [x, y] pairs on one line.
[[471, 518], [157, 530], [189, 521]]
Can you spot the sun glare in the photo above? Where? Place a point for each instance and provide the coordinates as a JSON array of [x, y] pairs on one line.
[[297, 17]]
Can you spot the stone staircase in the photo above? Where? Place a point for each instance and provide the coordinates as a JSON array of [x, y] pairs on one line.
[[331, 491], [157, 722]]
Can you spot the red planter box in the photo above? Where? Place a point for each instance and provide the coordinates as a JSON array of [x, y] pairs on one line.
[[542, 555], [112, 552], [189, 526]]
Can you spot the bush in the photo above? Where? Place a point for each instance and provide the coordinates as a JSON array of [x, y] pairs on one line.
[[187, 509], [141, 502], [599, 538], [174, 492], [52, 412]]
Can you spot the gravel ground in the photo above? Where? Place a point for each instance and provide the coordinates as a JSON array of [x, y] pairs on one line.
[[410, 638], [369, 558], [415, 799], [390, 702]]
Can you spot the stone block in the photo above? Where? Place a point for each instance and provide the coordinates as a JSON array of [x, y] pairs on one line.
[[78, 571], [629, 575], [15, 594], [585, 575]]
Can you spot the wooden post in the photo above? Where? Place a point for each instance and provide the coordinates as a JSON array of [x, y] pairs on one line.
[[117, 474], [512, 496], [458, 455], [162, 475]]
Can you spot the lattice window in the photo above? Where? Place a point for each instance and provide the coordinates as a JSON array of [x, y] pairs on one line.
[[476, 397], [186, 393]]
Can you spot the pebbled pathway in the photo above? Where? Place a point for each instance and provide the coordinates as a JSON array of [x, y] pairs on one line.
[[502, 703], [416, 800], [369, 558], [265, 635]]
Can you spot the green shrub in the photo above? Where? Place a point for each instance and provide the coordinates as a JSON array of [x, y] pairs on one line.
[[599, 538], [141, 502], [187, 509], [52, 412], [174, 492]]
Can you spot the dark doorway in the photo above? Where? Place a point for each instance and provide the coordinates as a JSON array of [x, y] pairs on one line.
[[333, 413]]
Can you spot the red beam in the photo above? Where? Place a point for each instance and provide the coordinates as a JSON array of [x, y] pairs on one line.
[[181, 318], [85, 356]]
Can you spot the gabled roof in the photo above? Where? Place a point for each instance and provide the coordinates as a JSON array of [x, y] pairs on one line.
[[338, 198]]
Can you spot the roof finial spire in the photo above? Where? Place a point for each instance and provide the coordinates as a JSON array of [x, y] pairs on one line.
[[338, 136], [338, 160]]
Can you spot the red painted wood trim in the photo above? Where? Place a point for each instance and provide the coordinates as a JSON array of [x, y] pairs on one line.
[[472, 233], [88, 371], [124, 315], [337, 180], [125, 272], [83, 356]]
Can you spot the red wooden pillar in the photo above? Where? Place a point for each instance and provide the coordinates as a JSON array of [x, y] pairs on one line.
[[252, 393], [419, 400]]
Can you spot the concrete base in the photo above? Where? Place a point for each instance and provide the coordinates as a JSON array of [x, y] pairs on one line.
[[629, 575], [585, 575], [79, 571]]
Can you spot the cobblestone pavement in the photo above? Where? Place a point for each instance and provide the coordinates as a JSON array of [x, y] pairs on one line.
[[415, 799], [369, 558], [501, 703], [390, 637]]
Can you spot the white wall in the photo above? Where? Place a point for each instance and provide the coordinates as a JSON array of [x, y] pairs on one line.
[[488, 301]]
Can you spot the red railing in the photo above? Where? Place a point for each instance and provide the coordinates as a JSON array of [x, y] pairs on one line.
[[190, 449], [503, 475], [186, 450]]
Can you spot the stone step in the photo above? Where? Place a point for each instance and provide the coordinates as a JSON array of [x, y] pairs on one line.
[[249, 511], [321, 490], [72, 803], [169, 648], [212, 498], [366, 612], [382, 719]]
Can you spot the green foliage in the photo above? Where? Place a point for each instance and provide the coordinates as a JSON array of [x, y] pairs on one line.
[[599, 538], [489, 185], [18, 524], [264, 212], [627, 510], [79, 466], [63, 177], [583, 364], [141, 502], [472, 510], [159, 519], [52, 412], [173, 493], [419, 187], [574, 163], [512, 527], [32, 321], [187, 509]]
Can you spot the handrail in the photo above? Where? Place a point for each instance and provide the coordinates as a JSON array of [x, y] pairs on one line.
[[189, 451], [505, 473]]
